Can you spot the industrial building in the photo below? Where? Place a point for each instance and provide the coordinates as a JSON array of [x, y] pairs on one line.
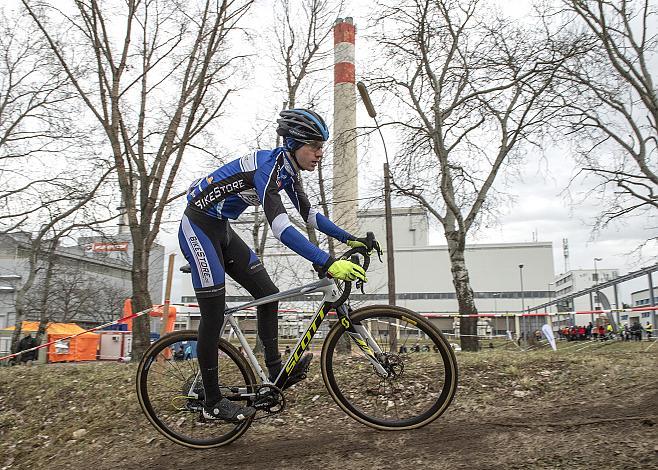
[[641, 298], [580, 279], [505, 277], [102, 263]]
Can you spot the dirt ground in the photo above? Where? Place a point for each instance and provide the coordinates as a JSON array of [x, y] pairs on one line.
[[595, 407]]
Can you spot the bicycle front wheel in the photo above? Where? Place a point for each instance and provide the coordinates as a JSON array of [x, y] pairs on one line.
[[170, 390], [421, 377]]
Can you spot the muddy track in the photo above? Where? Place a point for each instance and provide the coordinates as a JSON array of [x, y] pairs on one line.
[[589, 438], [596, 409]]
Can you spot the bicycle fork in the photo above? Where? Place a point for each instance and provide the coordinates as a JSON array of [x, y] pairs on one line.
[[363, 339]]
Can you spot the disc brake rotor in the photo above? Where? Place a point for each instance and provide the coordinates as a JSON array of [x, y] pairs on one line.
[[393, 364]]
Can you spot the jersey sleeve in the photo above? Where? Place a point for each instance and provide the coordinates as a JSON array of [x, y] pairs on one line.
[[312, 216], [265, 181]]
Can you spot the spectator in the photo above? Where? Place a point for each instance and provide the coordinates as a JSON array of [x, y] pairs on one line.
[[636, 331], [287, 351], [609, 330], [627, 332], [601, 332], [27, 343], [589, 332], [649, 329], [573, 333]]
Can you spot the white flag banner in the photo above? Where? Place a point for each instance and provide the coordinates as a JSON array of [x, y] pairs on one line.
[[548, 333]]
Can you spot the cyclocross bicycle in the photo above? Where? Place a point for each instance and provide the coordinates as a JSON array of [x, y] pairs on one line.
[[399, 372]]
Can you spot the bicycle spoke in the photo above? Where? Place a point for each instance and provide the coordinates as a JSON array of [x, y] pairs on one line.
[[171, 393], [177, 367], [416, 372]]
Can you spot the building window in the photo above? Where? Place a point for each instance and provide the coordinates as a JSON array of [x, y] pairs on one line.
[[563, 280]]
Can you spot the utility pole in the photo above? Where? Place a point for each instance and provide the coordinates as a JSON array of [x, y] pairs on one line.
[[390, 258], [167, 302], [522, 290], [393, 330], [517, 323]]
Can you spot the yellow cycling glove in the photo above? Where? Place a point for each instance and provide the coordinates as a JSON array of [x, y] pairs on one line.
[[368, 243], [345, 270], [356, 244]]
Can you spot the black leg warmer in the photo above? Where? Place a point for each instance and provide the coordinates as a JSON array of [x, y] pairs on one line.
[[212, 318]]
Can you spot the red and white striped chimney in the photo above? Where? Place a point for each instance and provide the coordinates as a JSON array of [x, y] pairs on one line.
[[345, 187]]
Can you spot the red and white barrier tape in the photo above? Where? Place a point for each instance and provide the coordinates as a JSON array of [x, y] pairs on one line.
[[425, 314], [541, 314]]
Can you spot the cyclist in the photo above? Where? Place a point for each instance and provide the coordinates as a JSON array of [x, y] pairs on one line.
[[213, 249]]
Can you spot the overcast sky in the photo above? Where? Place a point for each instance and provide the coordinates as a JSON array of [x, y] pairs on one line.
[[538, 208]]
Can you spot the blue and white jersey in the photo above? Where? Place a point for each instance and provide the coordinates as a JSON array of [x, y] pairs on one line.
[[256, 179]]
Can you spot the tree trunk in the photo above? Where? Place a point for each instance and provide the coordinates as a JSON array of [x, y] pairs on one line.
[[325, 208], [312, 236], [258, 347], [43, 304], [460, 279], [141, 300], [21, 297], [16, 335]]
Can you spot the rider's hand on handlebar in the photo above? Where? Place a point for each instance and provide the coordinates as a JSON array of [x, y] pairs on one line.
[[345, 270], [369, 243]]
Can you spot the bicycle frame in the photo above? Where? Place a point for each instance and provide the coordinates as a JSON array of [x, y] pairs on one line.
[[358, 333]]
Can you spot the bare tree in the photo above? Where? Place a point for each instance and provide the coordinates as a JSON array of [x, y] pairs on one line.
[[36, 110], [40, 127], [37, 123], [303, 50], [471, 86], [154, 74], [611, 102], [67, 211], [65, 293]]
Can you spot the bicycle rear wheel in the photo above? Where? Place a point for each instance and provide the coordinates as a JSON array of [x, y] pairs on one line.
[[170, 391], [422, 377]]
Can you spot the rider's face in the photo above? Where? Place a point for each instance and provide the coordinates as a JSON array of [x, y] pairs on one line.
[[308, 156]]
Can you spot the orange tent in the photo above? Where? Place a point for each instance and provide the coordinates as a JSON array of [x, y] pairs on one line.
[[80, 348]]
